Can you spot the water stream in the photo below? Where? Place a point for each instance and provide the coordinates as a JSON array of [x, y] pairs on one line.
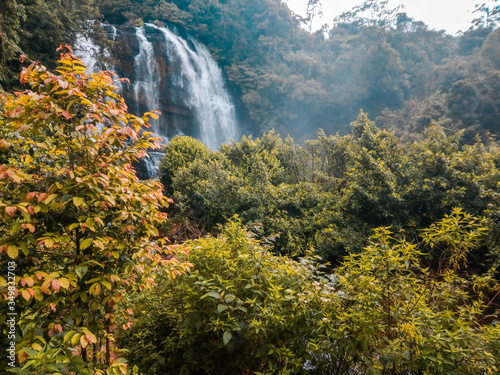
[[194, 82]]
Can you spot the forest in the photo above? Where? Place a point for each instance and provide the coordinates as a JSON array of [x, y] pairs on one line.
[[354, 228]]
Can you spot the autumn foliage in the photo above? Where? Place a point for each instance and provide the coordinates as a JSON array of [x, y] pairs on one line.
[[74, 217]]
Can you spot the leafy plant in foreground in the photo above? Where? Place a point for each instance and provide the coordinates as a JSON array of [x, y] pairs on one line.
[[75, 219], [242, 310]]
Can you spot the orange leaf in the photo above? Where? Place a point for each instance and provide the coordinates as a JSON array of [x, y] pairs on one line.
[[22, 356], [66, 115], [30, 196], [83, 341], [10, 211], [26, 295], [45, 287], [56, 285]]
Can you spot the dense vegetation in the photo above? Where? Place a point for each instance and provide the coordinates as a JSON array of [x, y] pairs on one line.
[[245, 311], [82, 235], [330, 193], [285, 78]]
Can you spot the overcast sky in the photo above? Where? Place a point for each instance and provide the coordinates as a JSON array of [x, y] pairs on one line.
[[450, 15]]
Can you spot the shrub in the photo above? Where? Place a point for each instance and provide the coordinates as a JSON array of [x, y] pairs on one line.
[[76, 223], [241, 310]]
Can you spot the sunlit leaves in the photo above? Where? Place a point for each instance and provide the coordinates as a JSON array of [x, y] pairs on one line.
[[68, 195]]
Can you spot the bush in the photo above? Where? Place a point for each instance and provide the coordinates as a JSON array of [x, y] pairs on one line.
[[179, 153], [243, 310], [331, 192]]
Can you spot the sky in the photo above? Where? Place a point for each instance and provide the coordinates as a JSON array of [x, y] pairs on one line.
[[449, 15]]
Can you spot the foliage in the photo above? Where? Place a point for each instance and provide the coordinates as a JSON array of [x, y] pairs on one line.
[[76, 221], [243, 310], [179, 153], [397, 317], [332, 191], [238, 311]]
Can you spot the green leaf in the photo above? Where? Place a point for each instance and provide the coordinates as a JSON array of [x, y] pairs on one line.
[[77, 201], [106, 284], [227, 337], [81, 270], [74, 226], [12, 251], [211, 294], [24, 247], [86, 243], [221, 308]]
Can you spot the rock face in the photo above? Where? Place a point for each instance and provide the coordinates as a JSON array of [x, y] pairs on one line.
[[171, 72]]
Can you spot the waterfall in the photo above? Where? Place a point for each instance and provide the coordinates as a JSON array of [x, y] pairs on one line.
[[175, 75], [201, 78], [87, 51], [113, 32], [146, 85]]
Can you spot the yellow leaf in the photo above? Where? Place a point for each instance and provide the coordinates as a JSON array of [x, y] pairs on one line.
[[83, 341], [26, 295], [75, 339], [64, 282], [12, 251], [50, 198], [45, 287], [77, 201]]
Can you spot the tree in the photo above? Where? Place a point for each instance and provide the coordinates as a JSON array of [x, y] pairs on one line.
[[76, 223], [398, 317], [11, 16]]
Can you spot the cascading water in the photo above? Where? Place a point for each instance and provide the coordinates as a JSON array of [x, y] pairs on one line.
[[113, 32], [146, 88], [87, 51], [175, 75], [201, 78]]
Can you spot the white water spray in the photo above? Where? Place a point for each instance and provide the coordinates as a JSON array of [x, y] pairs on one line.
[[146, 85], [200, 76]]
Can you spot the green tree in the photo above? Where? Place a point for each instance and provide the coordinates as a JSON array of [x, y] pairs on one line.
[[241, 310], [398, 317], [77, 223]]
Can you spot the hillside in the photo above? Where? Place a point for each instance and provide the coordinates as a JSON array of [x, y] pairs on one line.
[[284, 78]]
